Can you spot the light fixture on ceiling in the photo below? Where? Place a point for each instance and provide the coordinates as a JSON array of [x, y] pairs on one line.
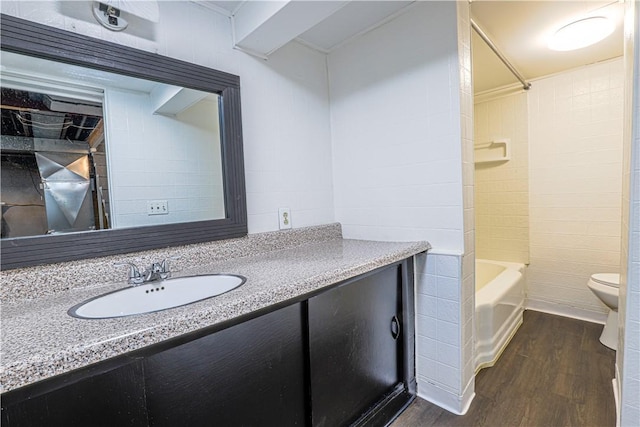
[[581, 33], [109, 16], [108, 12]]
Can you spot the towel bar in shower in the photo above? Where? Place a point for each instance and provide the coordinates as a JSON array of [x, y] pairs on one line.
[[498, 150]]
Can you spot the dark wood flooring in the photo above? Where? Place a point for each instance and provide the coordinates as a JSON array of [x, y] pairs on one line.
[[554, 372]]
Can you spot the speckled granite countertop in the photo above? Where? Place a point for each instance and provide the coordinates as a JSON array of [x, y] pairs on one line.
[[39, 339]]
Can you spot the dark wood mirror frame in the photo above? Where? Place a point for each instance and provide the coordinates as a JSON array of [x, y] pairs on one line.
[[33, 39]]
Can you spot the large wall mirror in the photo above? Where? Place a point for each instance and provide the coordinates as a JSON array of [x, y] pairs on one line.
[[107, 149]]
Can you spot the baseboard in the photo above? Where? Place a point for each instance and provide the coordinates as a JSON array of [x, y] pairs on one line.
[[468, 395], [565, 311], [446, 399]]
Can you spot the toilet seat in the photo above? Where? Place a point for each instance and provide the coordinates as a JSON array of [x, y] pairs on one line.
[[607, 279]]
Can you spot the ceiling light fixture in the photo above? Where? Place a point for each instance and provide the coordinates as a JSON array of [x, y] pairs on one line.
[[581, 33], [109, 16], [109, 12]]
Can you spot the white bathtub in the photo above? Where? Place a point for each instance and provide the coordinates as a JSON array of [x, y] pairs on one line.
[[499, 307]]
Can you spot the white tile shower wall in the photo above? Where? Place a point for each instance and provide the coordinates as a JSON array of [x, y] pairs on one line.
[[395, 123], [575, 140], [285, 103], [153, 157], [628, 354], [502, 188]]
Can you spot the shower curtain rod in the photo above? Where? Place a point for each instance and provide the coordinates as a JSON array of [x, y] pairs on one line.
[[525, 84]]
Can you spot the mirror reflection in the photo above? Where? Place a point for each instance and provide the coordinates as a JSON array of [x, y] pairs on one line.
[[53, 164], [86, 150]]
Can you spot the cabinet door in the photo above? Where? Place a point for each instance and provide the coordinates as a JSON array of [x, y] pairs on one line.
[[354, 354], [251, 374], [112, 398]]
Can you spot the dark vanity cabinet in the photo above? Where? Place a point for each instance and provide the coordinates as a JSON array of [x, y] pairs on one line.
[[103, 396], [355, 347], [340, 356], [251, 374]]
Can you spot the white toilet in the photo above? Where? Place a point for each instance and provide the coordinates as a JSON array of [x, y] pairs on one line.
[[605, 287]]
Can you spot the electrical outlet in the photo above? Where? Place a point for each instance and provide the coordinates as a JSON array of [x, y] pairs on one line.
[[285, 218], [157, 207]]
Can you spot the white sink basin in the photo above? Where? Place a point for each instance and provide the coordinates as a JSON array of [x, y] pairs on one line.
[[156, 296]]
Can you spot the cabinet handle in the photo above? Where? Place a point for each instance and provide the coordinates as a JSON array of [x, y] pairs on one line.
[[395, 327]]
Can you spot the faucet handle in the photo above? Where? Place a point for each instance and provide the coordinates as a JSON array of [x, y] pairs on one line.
[[135, 277], [163, 267], [133, 269], [157, 267], [165, 262]]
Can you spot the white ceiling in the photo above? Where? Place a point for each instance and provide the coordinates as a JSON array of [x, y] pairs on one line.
[[519, 28], [352, 20], [226, 7]]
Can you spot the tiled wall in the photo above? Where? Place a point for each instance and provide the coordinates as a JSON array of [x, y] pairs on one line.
[[398, 135], [287, 140], [502, 188], [285, 102], [468, 288], [628, 354], [575, 140], [395, 124], [631, 385], [440, 359], [155, 157]]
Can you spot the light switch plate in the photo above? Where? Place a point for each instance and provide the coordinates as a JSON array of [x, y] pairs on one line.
[[285, 218]]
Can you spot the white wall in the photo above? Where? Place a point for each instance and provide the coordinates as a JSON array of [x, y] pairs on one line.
[[502, 188], [575, 140], [287, 138], [285, 103], [467, 284], [398, 133], [628, 354], [395, 125]]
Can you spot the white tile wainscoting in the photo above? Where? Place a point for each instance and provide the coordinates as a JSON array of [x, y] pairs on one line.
[[444, 325]]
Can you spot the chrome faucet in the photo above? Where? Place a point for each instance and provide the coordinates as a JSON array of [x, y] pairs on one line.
[[156, 271]]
